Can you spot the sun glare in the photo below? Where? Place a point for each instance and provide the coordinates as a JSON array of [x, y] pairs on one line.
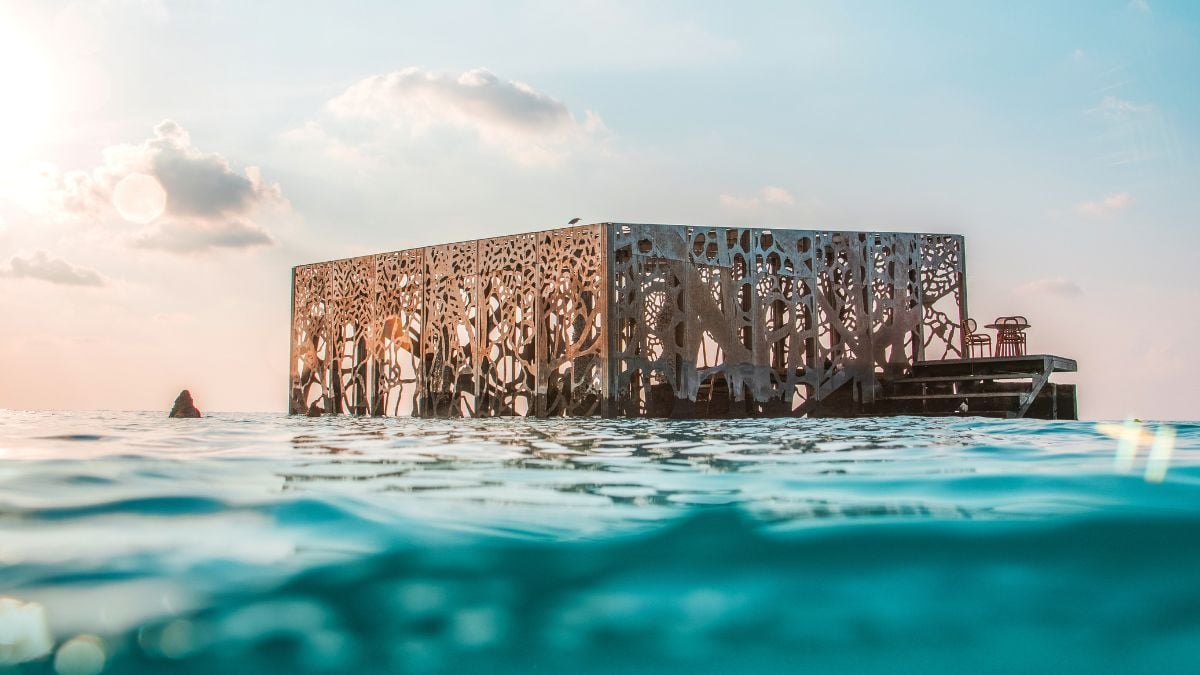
[[25, 81]]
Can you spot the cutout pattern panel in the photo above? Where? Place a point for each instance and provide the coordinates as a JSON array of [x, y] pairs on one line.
[[732, 321], [396, 330], [450, 349], [623, 319], [508, 332], [572, 340]]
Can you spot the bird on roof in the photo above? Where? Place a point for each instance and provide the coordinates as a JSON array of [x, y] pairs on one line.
[[572, 221]]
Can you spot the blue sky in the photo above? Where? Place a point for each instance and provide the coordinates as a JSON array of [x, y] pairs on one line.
[[1061, 138]]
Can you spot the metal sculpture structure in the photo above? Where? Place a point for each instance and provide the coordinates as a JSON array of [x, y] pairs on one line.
[[624, 320]]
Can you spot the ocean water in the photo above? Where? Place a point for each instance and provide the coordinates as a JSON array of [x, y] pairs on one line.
[[131, 543]]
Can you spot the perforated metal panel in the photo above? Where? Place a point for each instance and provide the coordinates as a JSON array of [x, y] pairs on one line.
[[623, 319]]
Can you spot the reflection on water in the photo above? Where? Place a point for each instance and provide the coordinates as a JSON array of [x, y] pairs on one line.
[[598, 463], [265, 543]]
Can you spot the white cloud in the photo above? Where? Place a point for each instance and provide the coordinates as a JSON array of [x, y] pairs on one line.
[[776, 195], [1135, 131], [202, 184], [1118, 108], [1057, 286], [767, 195], [1139, 5], [202, 235], [54, 270], [208, 205], [476, 98], [1110, 204], [312, 134], [377, 111]]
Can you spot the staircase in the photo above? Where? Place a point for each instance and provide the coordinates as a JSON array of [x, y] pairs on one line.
[[1008, 387]]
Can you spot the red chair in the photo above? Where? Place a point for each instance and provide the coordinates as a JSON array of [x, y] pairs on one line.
[[980, 341], [1010, 335]]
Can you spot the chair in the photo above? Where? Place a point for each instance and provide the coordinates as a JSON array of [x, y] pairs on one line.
[[1010, 335], [975, 340]]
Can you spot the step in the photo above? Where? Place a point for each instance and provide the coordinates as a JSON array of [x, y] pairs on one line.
[[1057, 364], [1005, 414], [962, 378], [918, 397]]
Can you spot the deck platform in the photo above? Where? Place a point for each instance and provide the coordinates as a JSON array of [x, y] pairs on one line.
[[1009, 387]]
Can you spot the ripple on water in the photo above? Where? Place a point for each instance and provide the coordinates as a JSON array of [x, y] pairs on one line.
[[268, 543]]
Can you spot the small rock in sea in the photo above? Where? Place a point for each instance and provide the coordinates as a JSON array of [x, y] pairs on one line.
[[183, 406]]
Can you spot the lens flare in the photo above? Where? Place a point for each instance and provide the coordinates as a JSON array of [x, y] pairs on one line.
[[139, 198], [1160, 454], [1127, 446], [1133, 434]]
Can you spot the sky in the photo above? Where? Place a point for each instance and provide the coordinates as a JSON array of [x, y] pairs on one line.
[[163, 165]]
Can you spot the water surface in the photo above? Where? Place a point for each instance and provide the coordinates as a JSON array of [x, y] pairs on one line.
[[263, 543]]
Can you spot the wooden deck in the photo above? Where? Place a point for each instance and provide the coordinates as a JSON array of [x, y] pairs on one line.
[[1009, 387]]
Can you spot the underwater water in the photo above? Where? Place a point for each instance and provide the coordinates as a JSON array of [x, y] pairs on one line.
[[268, 544]]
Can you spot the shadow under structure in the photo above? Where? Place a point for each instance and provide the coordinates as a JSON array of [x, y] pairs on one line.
[[640, 320]]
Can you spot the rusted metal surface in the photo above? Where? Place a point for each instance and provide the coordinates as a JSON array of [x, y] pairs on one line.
[[623, 319]]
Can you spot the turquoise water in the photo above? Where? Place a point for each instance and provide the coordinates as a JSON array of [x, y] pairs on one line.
[[268, 544]]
